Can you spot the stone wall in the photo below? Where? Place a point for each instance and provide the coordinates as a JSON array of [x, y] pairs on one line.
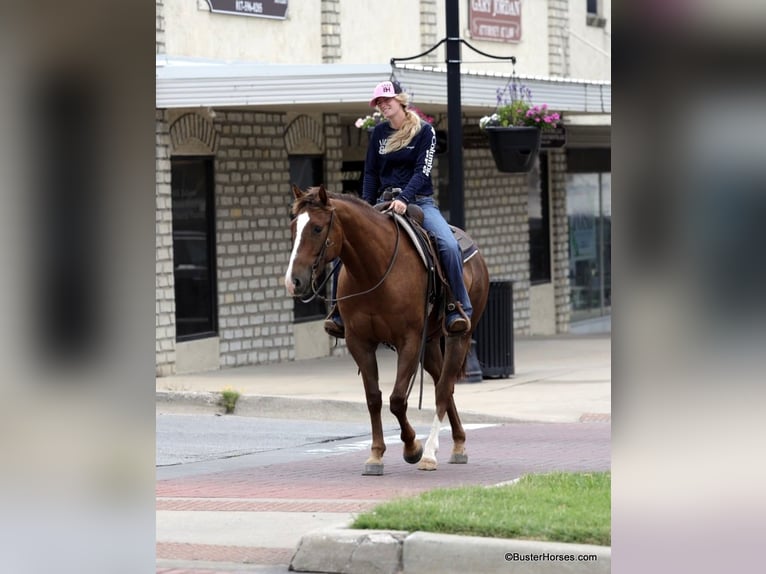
[[253, 238], [165, 330], [428, 31], [496, 216], [159, 28], [559, 238], [558, 38], [331, 36]]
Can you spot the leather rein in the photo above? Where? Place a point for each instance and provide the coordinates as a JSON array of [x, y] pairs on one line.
[[319, 262]]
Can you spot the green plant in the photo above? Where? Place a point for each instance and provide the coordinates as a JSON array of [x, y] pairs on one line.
[[229, 398], [560, 507], [514, 108]]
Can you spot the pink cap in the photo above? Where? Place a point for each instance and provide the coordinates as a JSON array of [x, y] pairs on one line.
[[385, 90]]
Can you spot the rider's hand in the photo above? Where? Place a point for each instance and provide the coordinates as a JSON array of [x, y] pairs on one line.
[[399, 207]]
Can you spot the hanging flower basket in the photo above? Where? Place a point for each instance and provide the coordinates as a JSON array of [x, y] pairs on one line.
[[514, 148], [515, 129]]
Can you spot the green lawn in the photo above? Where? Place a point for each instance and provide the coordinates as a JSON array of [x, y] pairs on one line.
[[562, 507]]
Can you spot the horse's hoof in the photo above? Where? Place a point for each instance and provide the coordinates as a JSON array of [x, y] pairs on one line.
[[413, 458], [427, 464], [373, 469], [458, 458]]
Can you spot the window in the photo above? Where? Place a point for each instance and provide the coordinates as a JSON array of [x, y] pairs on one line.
[[539, 223], [589, 211], [594, 16], [194, 247], [307, 171]]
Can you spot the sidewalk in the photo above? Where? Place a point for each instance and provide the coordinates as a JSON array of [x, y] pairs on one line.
[[558, 379], [251, 518]]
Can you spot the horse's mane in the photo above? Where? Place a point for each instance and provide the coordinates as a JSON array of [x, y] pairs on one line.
[[310, 199]]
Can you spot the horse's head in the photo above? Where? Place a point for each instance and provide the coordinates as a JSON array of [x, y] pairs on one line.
[[316, 238]]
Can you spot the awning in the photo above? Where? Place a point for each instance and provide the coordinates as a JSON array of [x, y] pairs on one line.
[[186, 82]]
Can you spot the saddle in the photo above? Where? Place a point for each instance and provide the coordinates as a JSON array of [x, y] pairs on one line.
[[425, 244]]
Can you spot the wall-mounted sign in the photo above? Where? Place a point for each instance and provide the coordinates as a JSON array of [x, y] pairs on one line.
[[257, 8], [495, 20]]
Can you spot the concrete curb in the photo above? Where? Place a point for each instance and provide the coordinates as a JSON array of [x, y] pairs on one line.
[[299, 408], [349, 551]]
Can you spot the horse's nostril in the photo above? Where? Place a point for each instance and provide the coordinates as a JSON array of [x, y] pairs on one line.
[[296, 282]]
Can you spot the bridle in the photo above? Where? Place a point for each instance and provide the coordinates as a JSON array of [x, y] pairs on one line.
[[319, 262]]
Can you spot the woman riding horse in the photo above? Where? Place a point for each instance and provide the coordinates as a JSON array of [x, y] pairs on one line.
[[399, 159]]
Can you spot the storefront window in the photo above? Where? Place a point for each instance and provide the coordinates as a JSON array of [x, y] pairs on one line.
[[589, 210], [194, 247]]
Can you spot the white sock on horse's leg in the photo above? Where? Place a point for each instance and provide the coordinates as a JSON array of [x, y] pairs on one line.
[[432, 444]]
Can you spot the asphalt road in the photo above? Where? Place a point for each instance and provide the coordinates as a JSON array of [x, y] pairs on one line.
[[184, 439]]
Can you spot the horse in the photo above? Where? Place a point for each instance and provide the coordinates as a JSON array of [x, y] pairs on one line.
[[381, 295]]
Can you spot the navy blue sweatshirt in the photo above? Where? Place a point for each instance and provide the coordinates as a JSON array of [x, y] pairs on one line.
[[408, 168]]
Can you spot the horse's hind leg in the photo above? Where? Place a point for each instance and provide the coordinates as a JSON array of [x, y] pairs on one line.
[[406, 365], [445, 371], [364, 355]]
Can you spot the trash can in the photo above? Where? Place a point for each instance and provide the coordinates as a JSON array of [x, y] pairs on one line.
[[494, 333]]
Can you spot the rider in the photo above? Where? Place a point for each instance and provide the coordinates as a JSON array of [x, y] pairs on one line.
[[399, 159]]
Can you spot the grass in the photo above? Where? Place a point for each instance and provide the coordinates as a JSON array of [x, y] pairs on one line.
[[556, 507], [229, 399]]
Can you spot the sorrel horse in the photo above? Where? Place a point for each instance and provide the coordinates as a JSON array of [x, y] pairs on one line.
[[382, 299]]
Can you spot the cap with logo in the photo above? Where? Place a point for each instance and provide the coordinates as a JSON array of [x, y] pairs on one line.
[[387, 89]]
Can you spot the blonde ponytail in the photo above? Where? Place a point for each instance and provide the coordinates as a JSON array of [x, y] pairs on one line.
[[410, 128]]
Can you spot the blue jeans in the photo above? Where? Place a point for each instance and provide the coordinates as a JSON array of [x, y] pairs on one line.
[[449, 251]]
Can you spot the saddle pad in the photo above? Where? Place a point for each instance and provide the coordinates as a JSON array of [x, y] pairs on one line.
[[468, 246]]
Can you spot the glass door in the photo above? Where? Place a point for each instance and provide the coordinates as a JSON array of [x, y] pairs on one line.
[[589, 211]]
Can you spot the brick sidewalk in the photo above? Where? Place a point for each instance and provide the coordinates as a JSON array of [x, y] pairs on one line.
[[334, 483]]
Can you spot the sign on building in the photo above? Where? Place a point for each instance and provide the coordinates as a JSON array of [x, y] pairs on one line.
[[257, 8], [495, 20]]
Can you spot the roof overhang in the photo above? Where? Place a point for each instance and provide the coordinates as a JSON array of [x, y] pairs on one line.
[[185, 83]]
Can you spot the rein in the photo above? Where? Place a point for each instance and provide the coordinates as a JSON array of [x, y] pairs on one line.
[[316, 290]]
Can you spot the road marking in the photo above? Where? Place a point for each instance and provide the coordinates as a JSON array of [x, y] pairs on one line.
[[365, 444]]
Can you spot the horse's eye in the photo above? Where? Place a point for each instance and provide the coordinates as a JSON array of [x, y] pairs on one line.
[[317, 229]]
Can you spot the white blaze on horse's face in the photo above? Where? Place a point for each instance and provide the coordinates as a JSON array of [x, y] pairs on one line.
[[300, 224]]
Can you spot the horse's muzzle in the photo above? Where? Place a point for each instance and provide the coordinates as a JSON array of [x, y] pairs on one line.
[[297, 286]]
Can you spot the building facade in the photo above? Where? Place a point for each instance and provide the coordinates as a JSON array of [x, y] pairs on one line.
[[250, 102]]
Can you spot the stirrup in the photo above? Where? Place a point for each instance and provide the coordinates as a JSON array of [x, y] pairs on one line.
[[459, 325], [333, 326], [456, 321]]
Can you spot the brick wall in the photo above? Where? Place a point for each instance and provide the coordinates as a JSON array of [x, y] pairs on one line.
[[428, 31], [496, 217], [559, 238], [558, 38], [331, 36], [253, 238], [165, 329], [159, 33]]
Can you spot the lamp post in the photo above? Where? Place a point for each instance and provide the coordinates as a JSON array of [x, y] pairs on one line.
[[454, 119]]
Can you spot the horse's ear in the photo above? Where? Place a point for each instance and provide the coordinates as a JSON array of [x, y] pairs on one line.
[[322, 193], [297, 192]]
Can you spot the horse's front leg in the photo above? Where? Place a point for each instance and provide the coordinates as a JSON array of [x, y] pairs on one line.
[[364, 356], [406, 365], [455, 351]]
